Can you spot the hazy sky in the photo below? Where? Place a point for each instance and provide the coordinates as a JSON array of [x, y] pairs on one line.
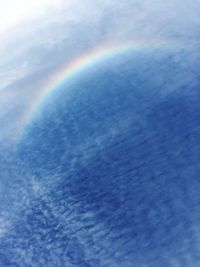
[[38, 36]]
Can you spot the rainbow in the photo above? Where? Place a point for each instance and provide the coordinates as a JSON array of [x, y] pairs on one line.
[[75, 67]]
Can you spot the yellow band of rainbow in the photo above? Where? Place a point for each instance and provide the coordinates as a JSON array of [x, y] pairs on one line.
[[76, 66]]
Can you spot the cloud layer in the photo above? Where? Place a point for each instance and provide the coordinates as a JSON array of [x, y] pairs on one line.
[[67, 199]]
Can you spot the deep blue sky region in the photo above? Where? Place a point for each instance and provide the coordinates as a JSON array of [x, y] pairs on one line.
[[103, 169]]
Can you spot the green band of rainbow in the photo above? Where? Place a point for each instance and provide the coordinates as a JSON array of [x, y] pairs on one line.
[[76, 66]]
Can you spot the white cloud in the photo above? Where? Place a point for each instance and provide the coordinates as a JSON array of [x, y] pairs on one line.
[[14, 12], [39, 36]]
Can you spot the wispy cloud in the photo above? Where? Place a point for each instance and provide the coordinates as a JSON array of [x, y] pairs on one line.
[[55, 32], [36, 38]]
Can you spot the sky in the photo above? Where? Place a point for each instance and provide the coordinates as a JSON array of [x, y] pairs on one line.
[[37, 37]]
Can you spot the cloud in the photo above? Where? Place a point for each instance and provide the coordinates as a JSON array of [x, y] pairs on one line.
[[47, 34], [57, 32], [37, 39]]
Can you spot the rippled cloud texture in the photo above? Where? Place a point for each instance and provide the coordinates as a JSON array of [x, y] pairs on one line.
[[107, 175]]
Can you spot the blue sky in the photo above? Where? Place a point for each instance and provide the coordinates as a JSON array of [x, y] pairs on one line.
[[37, 38], [50, 32]]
